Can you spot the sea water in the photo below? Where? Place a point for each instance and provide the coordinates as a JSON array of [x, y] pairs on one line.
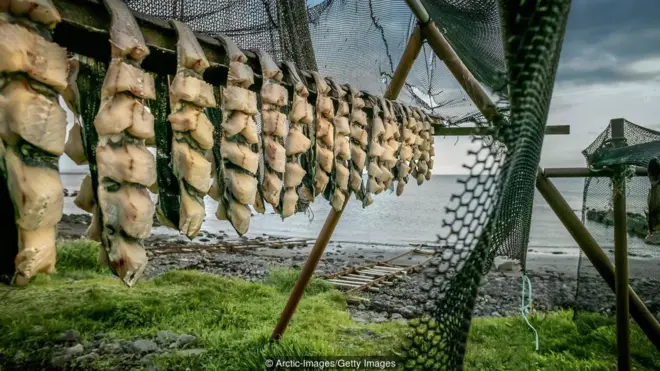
[[414, 217]]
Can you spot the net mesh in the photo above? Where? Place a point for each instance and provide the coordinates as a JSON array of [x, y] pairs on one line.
[[360, 42], [593, 294]]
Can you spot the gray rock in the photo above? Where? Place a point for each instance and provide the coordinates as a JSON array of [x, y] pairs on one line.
[[362, 307], [87, 344], [69, 335], [510, 266], [396, 316], [360, 317], [495, 314], [110, 348], [144, 346], [59, 360], [190, 352], [166, 337], [186, 339], [74, 351], [87, 358]]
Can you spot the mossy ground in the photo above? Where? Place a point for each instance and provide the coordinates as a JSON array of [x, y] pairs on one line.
[[233, 320]]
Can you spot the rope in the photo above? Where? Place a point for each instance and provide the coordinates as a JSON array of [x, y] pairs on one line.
[[526, 307]]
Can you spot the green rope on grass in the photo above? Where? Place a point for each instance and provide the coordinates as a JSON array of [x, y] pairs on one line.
[[526, 305]]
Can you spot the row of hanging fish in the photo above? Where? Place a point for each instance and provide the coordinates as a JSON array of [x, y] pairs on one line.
[[245, 144]]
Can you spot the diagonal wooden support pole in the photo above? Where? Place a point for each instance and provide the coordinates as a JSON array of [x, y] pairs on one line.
[[591, 249], [398, 80]]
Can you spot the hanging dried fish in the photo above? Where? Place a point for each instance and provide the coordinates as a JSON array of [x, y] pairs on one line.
[[192, 133], [404, 154], [421, 147], [416, 126], [239, 143], [32, 130], [342, 152], [324, 134], [274, 96], [390, 144], [296, 143], [125, 168], [359, 141], [376, 130]]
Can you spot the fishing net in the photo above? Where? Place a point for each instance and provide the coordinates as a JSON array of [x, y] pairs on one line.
[[358, 41], [593, 294]]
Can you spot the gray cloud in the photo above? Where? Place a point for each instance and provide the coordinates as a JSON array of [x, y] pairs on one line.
[[606, 38]]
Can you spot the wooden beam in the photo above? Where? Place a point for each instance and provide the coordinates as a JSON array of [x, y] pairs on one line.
[[481, 131], [585, 172]]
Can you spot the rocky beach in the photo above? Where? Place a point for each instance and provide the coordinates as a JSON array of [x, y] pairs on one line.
[[553, 274]]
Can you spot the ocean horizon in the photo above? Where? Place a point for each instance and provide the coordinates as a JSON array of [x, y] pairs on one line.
[[414, 217]]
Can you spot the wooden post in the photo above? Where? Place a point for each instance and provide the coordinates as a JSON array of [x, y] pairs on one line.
[[398, 80], [621, 256], [581, 235]]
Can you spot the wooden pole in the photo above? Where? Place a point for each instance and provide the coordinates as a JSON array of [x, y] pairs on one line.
[[398, 80], [580, 234], [585, 172], [621, 257], [441, 130], [596, 256]]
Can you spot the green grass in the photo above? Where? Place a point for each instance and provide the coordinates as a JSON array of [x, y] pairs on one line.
[[233, 320]]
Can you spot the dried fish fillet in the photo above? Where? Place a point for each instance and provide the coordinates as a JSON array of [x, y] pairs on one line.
[[189, 53], [130, 163], [192, 119], [274, 154], [191, 166], [126, 39], [38, 203], [242, 186], [235, 98], [36, 253], [297, 143], [123, 112], [128, 209], [33, 117], [39, 11], [85, 198], [240, 155], [274, 123], [41, 60], [240, 74], [192, 213], [192, 90], [239, 168], [122, 77]]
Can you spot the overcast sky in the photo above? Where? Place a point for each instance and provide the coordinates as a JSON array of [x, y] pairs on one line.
[[609, 68]]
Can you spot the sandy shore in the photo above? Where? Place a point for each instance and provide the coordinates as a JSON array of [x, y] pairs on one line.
[[553, 273]]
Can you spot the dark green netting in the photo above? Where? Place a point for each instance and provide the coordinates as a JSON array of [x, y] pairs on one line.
[[495, 209], [637, 147], [638, 155]]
